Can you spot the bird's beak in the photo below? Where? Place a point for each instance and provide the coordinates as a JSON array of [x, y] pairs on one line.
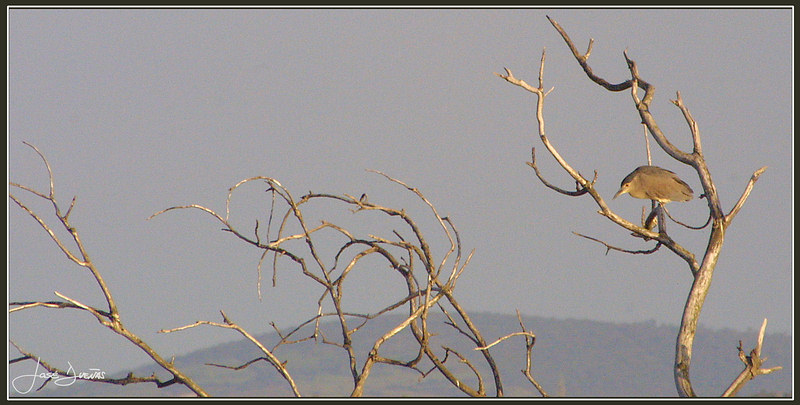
[[619, 193]]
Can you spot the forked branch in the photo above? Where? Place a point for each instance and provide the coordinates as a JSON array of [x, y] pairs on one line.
[[752, 364], [268, 356]]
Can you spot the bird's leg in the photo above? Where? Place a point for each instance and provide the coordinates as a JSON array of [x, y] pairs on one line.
[[662, 220], [651, 221]]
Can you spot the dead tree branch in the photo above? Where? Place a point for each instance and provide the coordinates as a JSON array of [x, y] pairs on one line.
[[530, 339], [752, 364], [70, 375], [269, 357], [108, 317]]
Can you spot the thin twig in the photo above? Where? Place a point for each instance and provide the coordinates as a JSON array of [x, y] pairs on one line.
[[611, 247]]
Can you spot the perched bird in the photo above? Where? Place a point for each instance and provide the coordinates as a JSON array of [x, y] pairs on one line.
[[655, 183]]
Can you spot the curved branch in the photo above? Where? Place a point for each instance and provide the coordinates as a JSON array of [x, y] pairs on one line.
[[745, 194], [358, 390], [578, 189], [510, 335], [583, 58], [277, 364], [611, 247]]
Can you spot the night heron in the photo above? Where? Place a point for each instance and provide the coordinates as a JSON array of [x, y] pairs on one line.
[[655, 183]]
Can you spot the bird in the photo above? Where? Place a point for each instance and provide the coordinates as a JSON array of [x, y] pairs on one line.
[[655, 183]]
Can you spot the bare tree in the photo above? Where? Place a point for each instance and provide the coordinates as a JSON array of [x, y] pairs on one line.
[[429, 283], [701, 271]]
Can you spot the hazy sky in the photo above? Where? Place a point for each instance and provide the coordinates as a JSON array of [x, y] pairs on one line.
[[138, 110]]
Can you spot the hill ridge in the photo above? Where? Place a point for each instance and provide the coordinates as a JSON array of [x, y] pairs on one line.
[[572, 357]]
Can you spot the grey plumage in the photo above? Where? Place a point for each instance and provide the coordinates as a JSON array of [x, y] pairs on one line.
[[655, 183]]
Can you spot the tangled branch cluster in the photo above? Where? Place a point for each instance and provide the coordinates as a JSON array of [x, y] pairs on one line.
[[429, 283]]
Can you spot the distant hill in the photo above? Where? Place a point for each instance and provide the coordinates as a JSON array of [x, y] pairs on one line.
[[575, 358]]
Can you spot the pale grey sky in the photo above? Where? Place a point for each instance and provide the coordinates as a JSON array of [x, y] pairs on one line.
[[142, 109]]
